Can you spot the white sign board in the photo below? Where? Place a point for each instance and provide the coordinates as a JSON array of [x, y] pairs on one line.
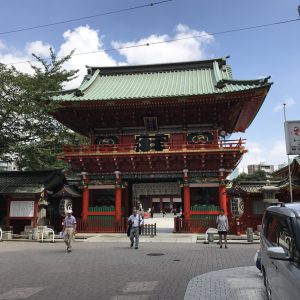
[[292, 137], [21, 209]]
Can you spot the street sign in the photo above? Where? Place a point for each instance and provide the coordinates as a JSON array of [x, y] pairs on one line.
[[292, 137]]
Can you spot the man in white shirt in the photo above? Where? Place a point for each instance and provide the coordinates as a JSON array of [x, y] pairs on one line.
[[69, 229], [135, 221]]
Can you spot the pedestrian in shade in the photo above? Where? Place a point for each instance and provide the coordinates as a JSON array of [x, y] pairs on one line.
[[135, 221], [69, 229], [222, 226]]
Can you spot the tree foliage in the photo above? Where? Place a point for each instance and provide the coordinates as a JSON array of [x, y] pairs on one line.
[[259, 175], [28, 133]]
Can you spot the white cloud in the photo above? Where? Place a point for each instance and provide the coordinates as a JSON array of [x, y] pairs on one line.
[[87, 40], [288, 101], [159, 51], [275, 154], [2, 45], [20, 58], [14, 57], [84, 40], [39, 48]]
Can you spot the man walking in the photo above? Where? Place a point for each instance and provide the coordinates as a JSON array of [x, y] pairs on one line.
[[135, 221], [69, 229]]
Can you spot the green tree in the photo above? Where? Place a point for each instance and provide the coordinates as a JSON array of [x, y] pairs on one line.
[[259, 175], [28, 132]]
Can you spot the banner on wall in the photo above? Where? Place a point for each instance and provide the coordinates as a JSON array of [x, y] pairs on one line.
[[292, 137], [21, 209]]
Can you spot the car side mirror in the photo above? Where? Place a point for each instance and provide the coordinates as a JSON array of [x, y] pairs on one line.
[[277, 253]]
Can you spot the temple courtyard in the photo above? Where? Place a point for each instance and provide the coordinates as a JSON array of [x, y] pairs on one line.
[[112, 270]]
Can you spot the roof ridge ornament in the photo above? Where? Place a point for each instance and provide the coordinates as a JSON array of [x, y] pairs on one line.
[[220, 84], [78, 93], [264, 80]]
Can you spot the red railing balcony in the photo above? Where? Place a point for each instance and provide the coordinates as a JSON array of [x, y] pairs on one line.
[[167, 147]]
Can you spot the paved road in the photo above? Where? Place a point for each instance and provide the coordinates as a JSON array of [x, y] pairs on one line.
[[228, 284], [110, 270]]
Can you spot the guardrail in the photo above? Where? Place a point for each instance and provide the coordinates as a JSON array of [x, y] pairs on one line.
[[49, 231], [193, 225], [149, 229], [167, 146]]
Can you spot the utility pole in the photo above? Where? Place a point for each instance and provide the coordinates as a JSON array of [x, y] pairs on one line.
[[288, 157]]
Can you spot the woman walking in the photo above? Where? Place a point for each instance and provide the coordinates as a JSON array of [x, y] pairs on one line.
[[222, 226]]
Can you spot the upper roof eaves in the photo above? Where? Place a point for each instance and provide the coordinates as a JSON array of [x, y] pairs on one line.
[[159, 81], [156, 68]]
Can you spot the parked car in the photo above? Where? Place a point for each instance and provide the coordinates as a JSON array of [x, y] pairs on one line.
[[280, 251]]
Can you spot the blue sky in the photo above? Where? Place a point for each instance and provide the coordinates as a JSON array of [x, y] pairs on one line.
[[273, 50]]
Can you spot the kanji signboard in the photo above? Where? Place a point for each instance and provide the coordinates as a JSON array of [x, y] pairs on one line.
[[292, 137]]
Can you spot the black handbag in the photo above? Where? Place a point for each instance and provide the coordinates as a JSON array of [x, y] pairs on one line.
[[128, 230]]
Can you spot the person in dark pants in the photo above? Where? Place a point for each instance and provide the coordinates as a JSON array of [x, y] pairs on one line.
[[135, 221], [152, 212], [222, 226]]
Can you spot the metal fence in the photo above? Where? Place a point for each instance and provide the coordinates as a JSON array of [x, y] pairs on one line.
[[149, 229], [193, 225], [99, 225]]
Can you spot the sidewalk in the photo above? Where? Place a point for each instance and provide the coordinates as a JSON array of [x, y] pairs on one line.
[[161, 237], [228, 284]]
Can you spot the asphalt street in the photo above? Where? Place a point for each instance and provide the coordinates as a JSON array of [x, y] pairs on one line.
[[31, 270]]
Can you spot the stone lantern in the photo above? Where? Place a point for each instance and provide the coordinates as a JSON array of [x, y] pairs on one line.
[[269, 192]]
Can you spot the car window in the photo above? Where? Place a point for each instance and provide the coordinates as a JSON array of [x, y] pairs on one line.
[[277, 230], [270, 223], [284, 237]]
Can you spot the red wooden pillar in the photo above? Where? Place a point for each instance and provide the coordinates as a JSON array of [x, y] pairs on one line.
[[35, 213], [85, 197], [85, 203], [222, 193], [215, 137], [118, 198], [222, 198], [186, 196], [126, 202]]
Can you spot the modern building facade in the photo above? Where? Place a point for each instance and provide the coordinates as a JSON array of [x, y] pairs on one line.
[[260, 167], [158, 137]]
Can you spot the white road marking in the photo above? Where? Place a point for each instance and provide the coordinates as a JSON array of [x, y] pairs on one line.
[[21, 293], [144, 286]]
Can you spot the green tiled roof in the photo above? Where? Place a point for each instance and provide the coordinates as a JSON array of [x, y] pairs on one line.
[[23, 189], [159, 81], [30, 182], [254, 187]]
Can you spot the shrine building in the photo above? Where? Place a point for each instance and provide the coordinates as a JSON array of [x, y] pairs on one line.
[[158, 136]]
